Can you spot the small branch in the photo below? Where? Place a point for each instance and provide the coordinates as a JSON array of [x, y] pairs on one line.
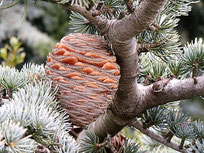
[[160, 85], [99, 6], [138, 21], [106, 9], [139, 2], [121, 15], [91, 4], [138, 125], [110, 144], [42, 149], [105, 123], [154, 27], [129, 4], [107, 143], [10, 93], [182, 143], [195, 72], [101, 23], [142, 48], [147, 125], [148, 80], [168, 136], [102, 144], [169, 91]]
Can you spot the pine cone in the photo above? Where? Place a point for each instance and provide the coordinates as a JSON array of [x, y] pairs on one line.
[[87, 75]]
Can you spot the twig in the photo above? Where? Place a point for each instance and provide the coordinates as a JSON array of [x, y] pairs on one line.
[[42, 149], [138, 125], [143, 48], [160, 85], [140, 1], [100, 12], [154, 27], [10, 93], [195, 72], [99, 145], [121, 15], [101, 24], [148, 80], [107, 143], [129, 4], [182, 143], [91, 4], [110, 144], [169, 136], [99, 6]]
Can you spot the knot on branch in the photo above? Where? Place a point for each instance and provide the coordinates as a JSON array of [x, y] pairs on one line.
[[129, 4], [160, 85], [143, 48]]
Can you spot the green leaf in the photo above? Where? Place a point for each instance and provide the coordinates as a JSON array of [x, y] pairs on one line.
[[3, 53], [11, 4], [14, 41]]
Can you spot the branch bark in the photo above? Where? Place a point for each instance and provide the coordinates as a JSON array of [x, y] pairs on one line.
[[138, 125], [174, 90], [143, 48], [101, 23], [138, 21]]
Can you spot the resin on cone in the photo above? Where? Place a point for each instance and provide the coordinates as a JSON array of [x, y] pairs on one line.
[[87, 75]]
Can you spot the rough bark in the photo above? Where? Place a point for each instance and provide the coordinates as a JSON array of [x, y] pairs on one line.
[[174, 90], [138, 21], [107, 122]]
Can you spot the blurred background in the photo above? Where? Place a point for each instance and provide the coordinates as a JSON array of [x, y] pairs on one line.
[[38, 31]]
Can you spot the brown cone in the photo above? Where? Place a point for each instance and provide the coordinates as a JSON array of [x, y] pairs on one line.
[[87, 75]]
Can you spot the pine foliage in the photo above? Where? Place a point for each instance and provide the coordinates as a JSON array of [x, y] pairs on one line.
[[30, 114]]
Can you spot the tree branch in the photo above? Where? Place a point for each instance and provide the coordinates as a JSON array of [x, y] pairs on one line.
[[107, 123], [138, 125], [129, 4], [143, 48], [138, 21], [168, 91], [154, 27], [101, 23]]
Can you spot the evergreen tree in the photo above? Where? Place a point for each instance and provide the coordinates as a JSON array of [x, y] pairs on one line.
[[154, 71]]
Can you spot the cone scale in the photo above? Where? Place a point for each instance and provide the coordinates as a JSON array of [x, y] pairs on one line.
[[87, 75]]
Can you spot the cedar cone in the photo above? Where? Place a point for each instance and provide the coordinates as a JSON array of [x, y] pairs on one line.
[[87, 75]]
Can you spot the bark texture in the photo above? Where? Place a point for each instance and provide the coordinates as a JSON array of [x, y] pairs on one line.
[[174, 90]]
